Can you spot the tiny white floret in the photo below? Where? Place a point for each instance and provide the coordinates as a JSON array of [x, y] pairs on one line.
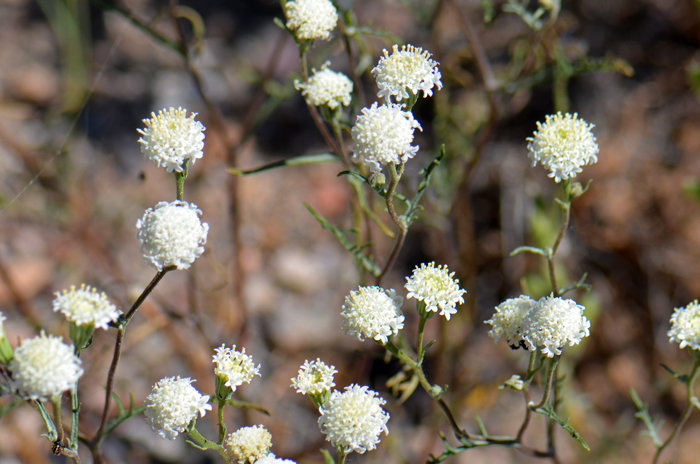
[[44, 367], [171, 138], [171, 234], [436, 287], [172, 405], [353, 419], [685, 326], [406, 71], [326, 87], [509, 320], [553, 323], [271, 459], [234, 367], [372, 312], [383, 134], [248, 444], [563, 144], [315, 378], [311, 19], [85, 306]]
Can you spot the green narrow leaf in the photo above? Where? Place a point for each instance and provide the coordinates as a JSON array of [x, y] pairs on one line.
[[366, 262], [327, 458], [546, 411], [643, 414], [534, 250], [294, 161], [246, 405], [413, 205], [681, 377]]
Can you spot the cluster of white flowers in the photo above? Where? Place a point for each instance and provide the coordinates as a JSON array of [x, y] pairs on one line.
[[353, 419], [436, 287], [383, 134], [311, 19], [85, 306], [171, 138], [234, 367], [405, 71], [326, 87], [44, 367], [685, 326], [549, 323], [507, 321], [563, 144], [248, 444], [315, 378], [172, 405], [372, 312], [172, 234]]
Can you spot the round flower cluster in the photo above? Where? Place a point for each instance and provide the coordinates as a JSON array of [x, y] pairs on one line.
[[326, 87], [507, 321], [84, 306], [549, 324], [353, 419], [405, 71], [372, 312], [44, 367], [172, 234], [436, 287], [248, 444], [315, 378], [563, 144], [172, 138], [311, 19], [383, 134], [685, 326], [172, 405], [234, 367]]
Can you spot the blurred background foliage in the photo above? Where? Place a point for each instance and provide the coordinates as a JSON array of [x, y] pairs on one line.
[[77, 77]]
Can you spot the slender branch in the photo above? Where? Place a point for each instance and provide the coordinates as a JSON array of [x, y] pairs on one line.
[[222, 424], [312, 109], [548, 386], [396, 171], [690, 389], [147, 291], [56, 406]]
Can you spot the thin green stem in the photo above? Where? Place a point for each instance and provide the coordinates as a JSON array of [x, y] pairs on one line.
[[690, 389], [421, 330], [207, 444], [548, 385], [222, 424], [341, 455], [75, 410], [396, 171], [566, 206], [180, 180], [56, 405]]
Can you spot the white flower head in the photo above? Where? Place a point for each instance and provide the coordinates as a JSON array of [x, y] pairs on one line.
[[563, 144], [235, 367], [436, 287], [372, 312], [171, 138], [406, 71], [44, 367], [271, 459], [685, 326], [248, 444], [84, 306], [353, 419], [554, 322], [172, 405], [311, 19], [172, 234], [509, 319], [326, 87], [383, 134], [315, 378]]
